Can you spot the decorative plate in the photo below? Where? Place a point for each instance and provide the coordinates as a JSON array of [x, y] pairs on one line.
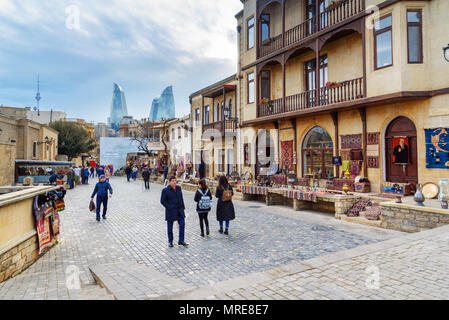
[[430, 190]]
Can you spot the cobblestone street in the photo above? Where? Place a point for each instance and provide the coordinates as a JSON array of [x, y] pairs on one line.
[[261, 238]]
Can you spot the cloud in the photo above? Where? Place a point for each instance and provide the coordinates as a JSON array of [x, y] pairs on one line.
[[142, 45]]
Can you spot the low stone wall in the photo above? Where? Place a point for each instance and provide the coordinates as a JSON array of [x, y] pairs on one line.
[[411, 218], [18, 237]]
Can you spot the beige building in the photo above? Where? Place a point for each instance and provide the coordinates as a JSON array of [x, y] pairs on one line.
[[214, 127], [349, 79], [22, 139]]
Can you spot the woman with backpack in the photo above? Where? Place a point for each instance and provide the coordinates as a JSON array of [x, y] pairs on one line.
[[203, 197], [225, 207]]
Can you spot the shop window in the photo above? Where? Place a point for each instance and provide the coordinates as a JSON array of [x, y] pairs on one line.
[[317, 154]]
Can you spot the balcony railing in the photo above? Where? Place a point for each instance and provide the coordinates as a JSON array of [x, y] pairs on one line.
[[331, 16], [221, 126], [271, 45], [300, 32], [342, 92]]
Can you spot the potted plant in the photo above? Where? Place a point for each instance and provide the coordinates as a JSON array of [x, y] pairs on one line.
[[332, 84], [264, 101]]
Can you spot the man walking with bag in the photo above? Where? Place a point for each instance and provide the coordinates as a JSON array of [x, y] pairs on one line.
[[172, 200], [101, 190]]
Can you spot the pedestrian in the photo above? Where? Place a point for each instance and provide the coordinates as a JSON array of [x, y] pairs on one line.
[[128, 172], [146, 178], [203, 198], [100, 171], [107, 174], [70, 178], [92, 172], [86, 176], [172, 200], [134, 172], [225, 207], [165, 172], [201, 170], [101, 190]]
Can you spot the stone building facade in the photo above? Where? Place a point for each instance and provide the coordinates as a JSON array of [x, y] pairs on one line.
[[324, 82]]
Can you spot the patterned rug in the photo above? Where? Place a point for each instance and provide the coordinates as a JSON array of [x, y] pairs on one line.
[[287, 155]]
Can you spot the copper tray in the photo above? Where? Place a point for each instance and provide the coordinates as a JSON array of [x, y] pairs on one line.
[[430, 190]]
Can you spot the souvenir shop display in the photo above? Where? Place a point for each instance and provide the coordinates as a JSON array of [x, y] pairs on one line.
[[46, 208]]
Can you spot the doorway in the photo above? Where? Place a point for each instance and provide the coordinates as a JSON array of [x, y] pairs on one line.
[[401, 151]]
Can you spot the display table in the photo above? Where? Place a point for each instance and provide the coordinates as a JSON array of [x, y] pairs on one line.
[[257, 190]]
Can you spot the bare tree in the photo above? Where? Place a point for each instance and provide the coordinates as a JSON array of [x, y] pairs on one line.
[[144, 132]]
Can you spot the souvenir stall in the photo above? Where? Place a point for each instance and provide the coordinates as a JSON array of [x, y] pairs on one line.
[[46, 209]]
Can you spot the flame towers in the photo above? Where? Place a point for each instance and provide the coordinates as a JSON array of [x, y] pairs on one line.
[[163, 107], [118, 107]]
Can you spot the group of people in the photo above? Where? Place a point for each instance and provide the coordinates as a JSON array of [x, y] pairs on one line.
[[173, 202]]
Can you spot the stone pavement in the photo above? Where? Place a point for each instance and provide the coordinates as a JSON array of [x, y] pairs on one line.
[[261, 238], [413, 267]]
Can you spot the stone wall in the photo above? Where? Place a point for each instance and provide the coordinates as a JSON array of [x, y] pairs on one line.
[[7, 163], [411, 218]]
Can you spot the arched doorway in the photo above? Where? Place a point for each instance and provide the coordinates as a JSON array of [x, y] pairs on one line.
[[401, 151], [317, 154], [264, 153]]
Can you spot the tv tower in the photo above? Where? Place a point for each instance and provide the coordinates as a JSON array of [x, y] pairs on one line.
[[38, 97]]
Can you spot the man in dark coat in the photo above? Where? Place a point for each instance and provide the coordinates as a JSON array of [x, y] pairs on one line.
[[101, 190], [201, 170], [128, 172], [172, 200], [401, 152], [146, 178]]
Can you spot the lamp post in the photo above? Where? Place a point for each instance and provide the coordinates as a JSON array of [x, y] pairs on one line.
[[446, 53]]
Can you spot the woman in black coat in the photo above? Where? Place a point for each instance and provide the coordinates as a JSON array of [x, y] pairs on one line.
[[203, 191], [225, 209]]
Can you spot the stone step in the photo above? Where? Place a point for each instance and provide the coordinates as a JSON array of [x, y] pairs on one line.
[[133, 281], [361, 220]]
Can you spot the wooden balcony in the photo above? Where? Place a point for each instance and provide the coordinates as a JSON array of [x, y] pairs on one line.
[[345, 91], [221, 126], [331, 17]]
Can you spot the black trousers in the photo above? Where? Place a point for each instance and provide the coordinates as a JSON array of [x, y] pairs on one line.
[[147, 184], [203, 221]]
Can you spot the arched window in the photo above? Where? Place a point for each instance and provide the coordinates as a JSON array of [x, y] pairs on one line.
[[317, 150]]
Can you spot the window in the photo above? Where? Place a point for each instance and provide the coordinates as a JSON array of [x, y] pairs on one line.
[[383, 43], [179, 132], [186, 133], [251, 87], [217, 112], [197, 117], [414, 36], [265, 84], [206, 115], [173, 134], [34, 149], [230, 108], [265, 27], [310, 74], [250, 34], [220, 166], [318, 154]]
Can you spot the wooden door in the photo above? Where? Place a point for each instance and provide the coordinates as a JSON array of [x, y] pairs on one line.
[[401, 127]]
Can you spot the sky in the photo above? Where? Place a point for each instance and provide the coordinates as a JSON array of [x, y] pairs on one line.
[[79, 48]]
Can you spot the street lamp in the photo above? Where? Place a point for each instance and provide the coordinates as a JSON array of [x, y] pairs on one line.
[[446, 53]]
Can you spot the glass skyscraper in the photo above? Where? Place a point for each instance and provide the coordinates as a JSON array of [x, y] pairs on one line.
[[163, 107], [118, 107]]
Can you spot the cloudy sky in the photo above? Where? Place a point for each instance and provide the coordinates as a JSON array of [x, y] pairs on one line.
[[80, 48]]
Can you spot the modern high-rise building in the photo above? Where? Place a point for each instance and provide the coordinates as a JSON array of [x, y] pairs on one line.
[[163, 107], [118, 107]]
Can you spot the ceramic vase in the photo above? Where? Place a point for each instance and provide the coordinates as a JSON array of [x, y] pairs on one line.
[[419, 197]]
